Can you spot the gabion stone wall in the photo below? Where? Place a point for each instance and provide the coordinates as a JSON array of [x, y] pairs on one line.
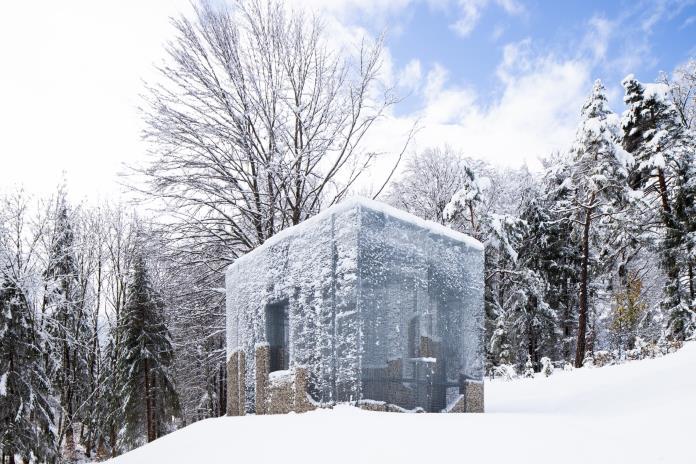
[[373, 305]]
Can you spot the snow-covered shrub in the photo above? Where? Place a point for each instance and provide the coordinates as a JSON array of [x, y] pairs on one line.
[[675, 345], [603, 358], [589, 360], [529, 368], [652, 350], [505, 371], [546, 366], [633, 355], [568, 366], [663, 345]]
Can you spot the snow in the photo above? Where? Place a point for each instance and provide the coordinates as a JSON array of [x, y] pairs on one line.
[[357, 201], [638, 412], [657, 91], [3, 384]]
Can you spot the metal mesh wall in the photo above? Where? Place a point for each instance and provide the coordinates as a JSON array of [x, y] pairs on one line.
[[417, 298], [374, 306]]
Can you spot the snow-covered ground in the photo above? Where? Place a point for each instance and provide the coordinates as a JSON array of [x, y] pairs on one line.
[[639, 412]]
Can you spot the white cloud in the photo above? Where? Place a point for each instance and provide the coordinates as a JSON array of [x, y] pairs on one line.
[[469, 12], [512, 7], [598, 36], [498, 32], [535, 114], [410, 75]]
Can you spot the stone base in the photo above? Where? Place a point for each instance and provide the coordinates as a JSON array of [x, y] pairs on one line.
[[236, 369], [383, 406], [262, 358], [280, 392], [470, 398]]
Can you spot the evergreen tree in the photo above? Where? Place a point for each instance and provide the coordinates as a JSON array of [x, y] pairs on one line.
[[535, 320], [26, 407], [655, 135], [67, 325], [529, 368], [500, 348], [148, 397], [551, 220], [598, 179], [107, 416]]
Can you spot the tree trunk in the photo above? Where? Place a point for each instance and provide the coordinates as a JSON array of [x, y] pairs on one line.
[[222, 391], [691, 286], [148, 404], [114, 452], [582, 317], [663, 191]]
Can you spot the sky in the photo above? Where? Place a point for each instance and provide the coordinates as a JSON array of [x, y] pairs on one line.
[[501, 80]]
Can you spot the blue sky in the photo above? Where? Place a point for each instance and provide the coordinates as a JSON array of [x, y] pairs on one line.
[[504, 80], [646, 37]]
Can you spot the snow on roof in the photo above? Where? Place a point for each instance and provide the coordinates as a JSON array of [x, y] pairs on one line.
[[357, 201]]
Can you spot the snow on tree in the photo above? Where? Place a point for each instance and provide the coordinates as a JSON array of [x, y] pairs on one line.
[[597, 179], [546, 366], [551, 218], [529, 368], [148, 396], [629, 309], [26, 407], [663, 149], [534, 321], [26, 403], [500, 348], [429, 181], [67, 324]]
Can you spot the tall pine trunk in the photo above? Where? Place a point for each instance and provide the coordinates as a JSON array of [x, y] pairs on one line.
[[148, 403], [582, 316], [691, 286]]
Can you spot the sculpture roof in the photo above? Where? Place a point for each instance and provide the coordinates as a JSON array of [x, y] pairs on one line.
[[357, 201]]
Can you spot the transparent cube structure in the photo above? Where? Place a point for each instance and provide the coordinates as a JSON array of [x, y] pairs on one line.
[[375, 303]]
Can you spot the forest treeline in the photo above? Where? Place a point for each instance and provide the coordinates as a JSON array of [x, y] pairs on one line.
[[112, 329]]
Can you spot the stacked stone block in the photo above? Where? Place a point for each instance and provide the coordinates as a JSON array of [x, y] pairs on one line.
[[235, 384]]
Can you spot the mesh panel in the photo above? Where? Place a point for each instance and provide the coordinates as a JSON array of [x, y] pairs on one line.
[[414, 290]]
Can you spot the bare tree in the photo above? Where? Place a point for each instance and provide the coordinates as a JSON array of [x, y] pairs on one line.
[[429, 181], [257, 123], [682, 91]]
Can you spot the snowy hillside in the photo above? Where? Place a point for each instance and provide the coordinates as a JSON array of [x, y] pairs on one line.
[[639, 412]]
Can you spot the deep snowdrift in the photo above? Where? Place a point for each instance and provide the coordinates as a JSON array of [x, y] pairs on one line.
[[639, 412]]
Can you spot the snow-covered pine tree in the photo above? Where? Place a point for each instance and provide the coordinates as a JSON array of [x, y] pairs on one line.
[[598, 178], [500, 349], [461, 210], [551, 220], [107, 417], [67, 324], [148, 397], [663, 150], [534, 320], [546, 366], [26, 406], [529, 368]]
